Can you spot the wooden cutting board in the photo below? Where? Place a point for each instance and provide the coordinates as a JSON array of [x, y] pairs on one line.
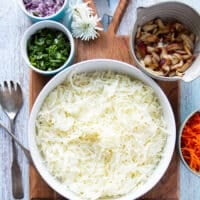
[[109, 45]]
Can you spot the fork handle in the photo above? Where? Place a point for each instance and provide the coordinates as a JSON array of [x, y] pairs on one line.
[[23, 148], [17, 186]]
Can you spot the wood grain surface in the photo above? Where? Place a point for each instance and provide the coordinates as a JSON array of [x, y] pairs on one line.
[[109, 45]]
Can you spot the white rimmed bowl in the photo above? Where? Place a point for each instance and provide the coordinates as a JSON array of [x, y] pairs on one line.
[[171, 10], [56, 16], [103, 65], [52, 25]]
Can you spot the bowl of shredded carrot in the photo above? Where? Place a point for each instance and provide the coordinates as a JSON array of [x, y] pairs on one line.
[[189, 142]]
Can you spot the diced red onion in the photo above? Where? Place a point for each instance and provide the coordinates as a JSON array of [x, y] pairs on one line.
[[43, 8], [142, 48], [162, 62]]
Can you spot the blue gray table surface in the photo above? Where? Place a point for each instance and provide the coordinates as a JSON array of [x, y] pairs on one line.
[[13, 23]]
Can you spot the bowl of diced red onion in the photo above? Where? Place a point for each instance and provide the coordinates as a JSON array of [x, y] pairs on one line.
[[38, 10]]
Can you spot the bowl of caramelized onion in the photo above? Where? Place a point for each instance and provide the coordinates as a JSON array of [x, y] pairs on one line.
[[165, 41]]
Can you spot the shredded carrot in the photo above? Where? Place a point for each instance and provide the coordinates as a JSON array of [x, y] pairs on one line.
[[190, 142]]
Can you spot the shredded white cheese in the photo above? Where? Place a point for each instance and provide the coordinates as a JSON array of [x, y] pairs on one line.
[[101, 134]]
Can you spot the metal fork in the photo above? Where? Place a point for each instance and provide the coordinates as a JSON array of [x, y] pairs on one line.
[[23, 148], [11, 101]]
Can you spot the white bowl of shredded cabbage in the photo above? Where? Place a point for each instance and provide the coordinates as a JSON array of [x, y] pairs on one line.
[[101, 129]]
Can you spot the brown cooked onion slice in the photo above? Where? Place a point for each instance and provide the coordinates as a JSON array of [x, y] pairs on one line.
[[165, 48]]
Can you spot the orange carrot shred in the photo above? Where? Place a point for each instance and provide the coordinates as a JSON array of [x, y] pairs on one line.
[[190, 142]]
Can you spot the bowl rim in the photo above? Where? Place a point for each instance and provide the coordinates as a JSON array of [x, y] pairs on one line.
[[41, 25], [60, 10], [55, 81], [179, 141], [132, 38]]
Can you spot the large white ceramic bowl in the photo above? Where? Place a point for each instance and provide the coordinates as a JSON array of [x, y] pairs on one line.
[[98, 65]]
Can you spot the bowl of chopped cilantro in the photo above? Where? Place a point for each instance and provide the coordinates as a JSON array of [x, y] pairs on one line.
[[47, 47], [44, 9]]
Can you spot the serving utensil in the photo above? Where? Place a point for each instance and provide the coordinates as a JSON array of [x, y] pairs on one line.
[[11, 101], [104, 11], [103, 8], [23, 148]]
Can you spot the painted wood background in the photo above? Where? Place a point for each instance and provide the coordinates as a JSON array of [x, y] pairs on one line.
[[13, 23]]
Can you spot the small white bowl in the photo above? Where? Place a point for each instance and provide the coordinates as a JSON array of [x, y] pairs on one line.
[[103, 65], [52, 25], [179, 142], [176, 11], [56, 16]]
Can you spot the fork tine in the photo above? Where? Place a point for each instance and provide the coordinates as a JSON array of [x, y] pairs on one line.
[[5, 84], [1, 90], [12, 85], [19, 87]]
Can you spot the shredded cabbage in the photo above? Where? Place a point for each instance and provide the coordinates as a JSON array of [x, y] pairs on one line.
[[101, 134]]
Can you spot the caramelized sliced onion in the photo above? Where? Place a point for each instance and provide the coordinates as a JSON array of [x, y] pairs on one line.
[[165, 48]]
